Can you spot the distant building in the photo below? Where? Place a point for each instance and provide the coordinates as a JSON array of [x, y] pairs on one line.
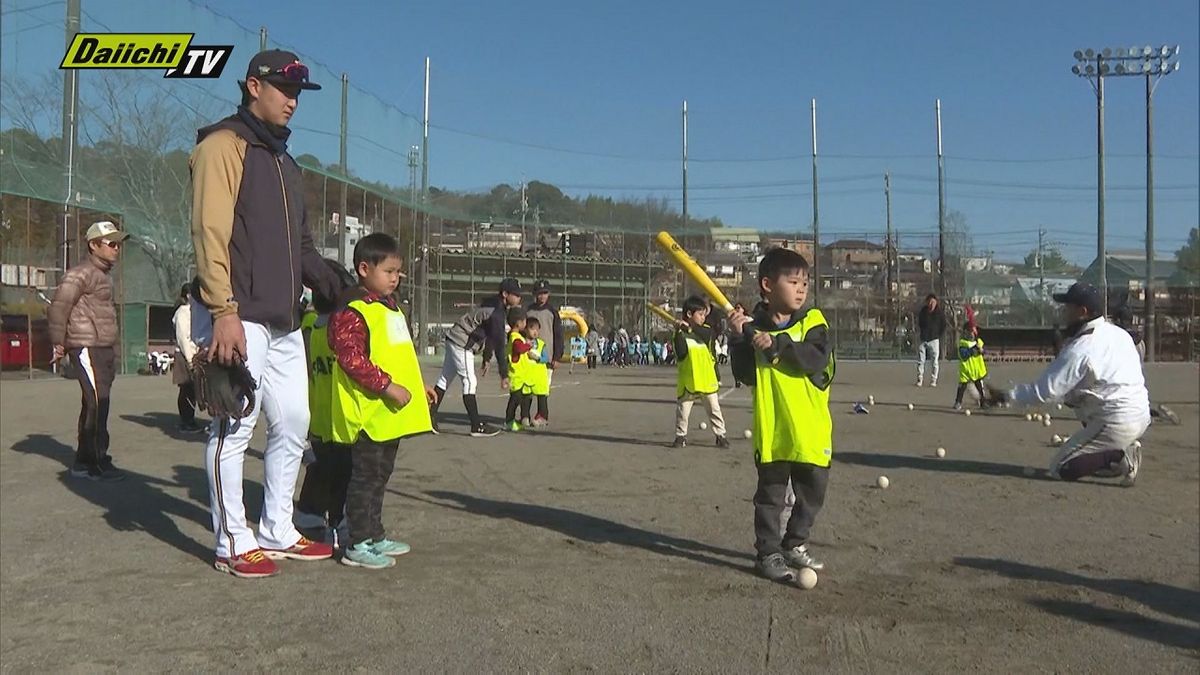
[[849, 253]]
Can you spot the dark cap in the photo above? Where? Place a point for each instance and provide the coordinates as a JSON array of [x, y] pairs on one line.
[[511, 286], [279, 67], [1082, 295], [541, 286]]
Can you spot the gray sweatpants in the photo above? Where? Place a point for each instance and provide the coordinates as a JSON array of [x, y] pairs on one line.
[[808, 481]]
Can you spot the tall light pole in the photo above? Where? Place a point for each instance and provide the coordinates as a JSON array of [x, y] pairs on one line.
[[1096, 65], [941, 178]]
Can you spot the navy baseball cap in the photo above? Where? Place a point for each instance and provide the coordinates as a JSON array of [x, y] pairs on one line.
[[541, 286], [279, 67], [1082, 295], [511, 286]]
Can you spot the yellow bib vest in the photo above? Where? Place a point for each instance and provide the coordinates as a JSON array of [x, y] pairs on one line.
[[321, 363], [539, 373], [391, 348], [791, 409], [518, 373], [972, 368], [697, 372]]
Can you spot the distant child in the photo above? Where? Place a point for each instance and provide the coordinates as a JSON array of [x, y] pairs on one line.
[[520, 389], [783, 352], [372, 405], [537, 373], [971, 368], [322, 501], [697, 372]]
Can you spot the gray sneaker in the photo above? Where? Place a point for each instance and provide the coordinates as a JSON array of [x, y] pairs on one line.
[[800, 557], [775, 568], [1133, 464]]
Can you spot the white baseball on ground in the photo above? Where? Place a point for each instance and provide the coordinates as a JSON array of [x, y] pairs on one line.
[[1058, 407], [1028, 417], [940, 452], [703, 426], [807, 578], [910, 406], [1056, 439], [882, 482], [967, 413], [1046, 421], [748, 434], [871, 400]]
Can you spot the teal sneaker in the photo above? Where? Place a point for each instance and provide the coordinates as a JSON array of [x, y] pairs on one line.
[[365, 555], [514, 426], [388, 547]]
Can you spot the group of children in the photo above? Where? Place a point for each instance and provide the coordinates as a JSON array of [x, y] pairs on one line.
[[529, 370]]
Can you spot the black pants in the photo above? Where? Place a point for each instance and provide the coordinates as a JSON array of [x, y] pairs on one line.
[[517, 399], [186, 402], [591, 360], [371, 467], [962, 388], [95, 368], [325, 481], [543, 409], [808, 482]]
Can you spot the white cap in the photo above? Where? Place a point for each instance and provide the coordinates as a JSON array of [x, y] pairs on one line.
[[106, 229]]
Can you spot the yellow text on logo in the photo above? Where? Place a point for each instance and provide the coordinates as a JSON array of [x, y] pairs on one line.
[[126, 50]]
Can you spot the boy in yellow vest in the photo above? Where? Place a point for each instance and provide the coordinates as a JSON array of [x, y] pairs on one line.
[[783, 352], [519, 389], [375, 380], [971, 367], [697, 372], [537, 372], [322, 500]]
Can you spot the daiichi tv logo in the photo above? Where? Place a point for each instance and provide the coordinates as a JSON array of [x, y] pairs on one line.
[[173, 52]]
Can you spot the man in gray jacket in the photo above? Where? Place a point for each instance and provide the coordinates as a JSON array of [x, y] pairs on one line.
[[83, 323], [483, 328], [547, 315]]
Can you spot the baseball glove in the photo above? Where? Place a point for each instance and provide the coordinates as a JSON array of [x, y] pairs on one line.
[[995, 396], [223, 391]]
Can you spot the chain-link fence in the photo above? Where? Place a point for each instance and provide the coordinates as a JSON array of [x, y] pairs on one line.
[[135, 131]]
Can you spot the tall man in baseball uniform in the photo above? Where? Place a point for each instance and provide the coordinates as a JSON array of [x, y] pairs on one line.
[[83, 323], [254, 253]]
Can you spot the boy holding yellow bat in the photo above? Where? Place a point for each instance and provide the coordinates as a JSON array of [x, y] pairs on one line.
[[788, 359]]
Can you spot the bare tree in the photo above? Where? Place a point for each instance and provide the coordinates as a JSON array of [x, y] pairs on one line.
[[140, 137]]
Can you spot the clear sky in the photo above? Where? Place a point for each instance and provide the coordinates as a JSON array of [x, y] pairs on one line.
[[587, 96]]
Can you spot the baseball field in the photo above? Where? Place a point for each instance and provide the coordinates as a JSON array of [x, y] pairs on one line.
[[592, 546]]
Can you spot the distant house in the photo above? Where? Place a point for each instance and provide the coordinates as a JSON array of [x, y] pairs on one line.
[[743, 240], [848, 253], [1126, 272], [802, 246]]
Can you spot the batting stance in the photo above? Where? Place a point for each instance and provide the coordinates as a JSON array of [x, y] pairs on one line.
[[253, 247], [1099, 375]]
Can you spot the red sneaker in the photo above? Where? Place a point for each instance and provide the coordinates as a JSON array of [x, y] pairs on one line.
[[305, 549], [252, 565]]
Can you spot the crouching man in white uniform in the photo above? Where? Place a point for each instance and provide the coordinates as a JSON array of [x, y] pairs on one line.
[[1099, 375]]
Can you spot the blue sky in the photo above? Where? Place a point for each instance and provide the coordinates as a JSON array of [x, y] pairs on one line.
[[604, 82]]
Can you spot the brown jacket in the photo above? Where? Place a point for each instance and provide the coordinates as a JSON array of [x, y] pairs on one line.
[[254, 248], [82, 313]]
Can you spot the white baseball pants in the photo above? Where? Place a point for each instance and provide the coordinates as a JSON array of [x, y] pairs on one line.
[[276, 359], [459, 362]]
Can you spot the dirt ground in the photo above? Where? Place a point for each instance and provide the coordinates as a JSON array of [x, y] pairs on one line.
[[593, 546]]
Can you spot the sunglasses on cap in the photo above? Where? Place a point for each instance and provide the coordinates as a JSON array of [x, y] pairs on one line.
[[292, 72]]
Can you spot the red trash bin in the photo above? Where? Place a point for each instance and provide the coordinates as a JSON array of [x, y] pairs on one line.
[[14, 350]]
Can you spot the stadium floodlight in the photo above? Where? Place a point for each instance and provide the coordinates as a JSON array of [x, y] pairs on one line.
[[1152, 64]]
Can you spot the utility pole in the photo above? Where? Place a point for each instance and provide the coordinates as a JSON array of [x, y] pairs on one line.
[[889, 252], [685, 158], [941, 167], [816, 212], [343, 137], [422, 338], [1041, 265], [414, 161], [262, 39], [70, 137]]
